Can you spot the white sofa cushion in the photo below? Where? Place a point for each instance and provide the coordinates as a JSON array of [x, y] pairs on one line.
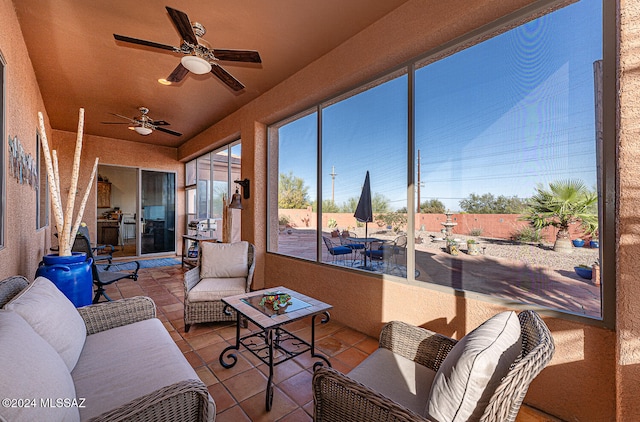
[[212, 289], [473, 369], [395, 377], [145, 360], [222, 260], [53, 316], [32, 369]]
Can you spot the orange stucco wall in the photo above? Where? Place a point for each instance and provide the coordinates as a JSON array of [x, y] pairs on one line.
[[595, 372], [627, 351], [23, 245]]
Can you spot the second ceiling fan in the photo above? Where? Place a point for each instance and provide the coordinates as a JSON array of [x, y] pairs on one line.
[[199, 57], [144, 124]]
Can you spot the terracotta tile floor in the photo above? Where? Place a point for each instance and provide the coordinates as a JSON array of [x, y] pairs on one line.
[[239, 392]]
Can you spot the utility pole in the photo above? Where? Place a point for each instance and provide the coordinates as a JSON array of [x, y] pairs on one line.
[[333, 182], [418, 184]]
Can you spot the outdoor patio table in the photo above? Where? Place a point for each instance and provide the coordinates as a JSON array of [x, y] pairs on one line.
[[367, 241], [271, 337]]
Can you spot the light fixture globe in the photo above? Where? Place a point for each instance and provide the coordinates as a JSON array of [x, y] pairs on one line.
[[142, 130], [195, 64]]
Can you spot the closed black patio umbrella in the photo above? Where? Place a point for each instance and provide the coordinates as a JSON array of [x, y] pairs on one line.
[[364, 211]]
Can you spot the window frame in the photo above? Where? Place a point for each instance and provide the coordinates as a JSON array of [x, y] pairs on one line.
[[607, 164], [42, 209]]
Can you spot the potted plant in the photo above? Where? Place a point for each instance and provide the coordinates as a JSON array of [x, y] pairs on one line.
[[283, 221], [452, 247], [473, 247], [333, 225], [584, 271], [70, 271]]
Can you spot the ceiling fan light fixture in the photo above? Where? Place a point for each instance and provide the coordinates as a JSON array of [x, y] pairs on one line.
[[142, 130], [195, 64]]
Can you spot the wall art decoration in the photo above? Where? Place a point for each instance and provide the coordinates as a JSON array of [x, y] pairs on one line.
[[22, 166]]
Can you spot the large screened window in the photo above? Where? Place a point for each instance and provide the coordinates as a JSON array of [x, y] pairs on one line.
[[209, 178], [483, 165]]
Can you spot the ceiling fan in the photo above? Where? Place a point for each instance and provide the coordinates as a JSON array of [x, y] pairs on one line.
[[144, 124], [199, 57]]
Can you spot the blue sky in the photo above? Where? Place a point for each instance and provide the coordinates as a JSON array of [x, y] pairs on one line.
[[500, 117]]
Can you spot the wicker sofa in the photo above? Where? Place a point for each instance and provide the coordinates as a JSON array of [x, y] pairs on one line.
[[111, 361]]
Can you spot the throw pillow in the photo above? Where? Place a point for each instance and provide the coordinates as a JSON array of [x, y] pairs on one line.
[[223, 260], [53, 316], [33, 375], [472, 370]]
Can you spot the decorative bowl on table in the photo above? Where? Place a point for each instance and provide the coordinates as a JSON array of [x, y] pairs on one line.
[[275, 300]]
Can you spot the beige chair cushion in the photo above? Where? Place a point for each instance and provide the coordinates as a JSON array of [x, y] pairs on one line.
[[53, 316], [395, 377], [31, 369], [212, 289], [220, 260], [146, 359], [473, 369]]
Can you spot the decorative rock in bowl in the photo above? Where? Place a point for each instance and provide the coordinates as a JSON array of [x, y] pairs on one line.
[[578, 243], [583, 271]]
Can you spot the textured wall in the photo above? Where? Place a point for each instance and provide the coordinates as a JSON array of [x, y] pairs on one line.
[[23, 245], [628, 288]]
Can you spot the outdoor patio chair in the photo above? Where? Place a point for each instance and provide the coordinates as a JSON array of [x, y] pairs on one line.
[[336, 250], [396, 248], [103, 274], [381, 252], [99, 252], [355, 247], [418, 375], [224, 269]]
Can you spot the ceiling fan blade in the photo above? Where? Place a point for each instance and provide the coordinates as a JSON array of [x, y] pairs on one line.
[[178, 73], [237, 55], [160, 123], [183, 25], [126, 118], [115, 123], [145, 43], [170, 132], [226, 77]]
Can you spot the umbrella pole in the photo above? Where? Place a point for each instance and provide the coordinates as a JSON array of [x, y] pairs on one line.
[[366, 236]]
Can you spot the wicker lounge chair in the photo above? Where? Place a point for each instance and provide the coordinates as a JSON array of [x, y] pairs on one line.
[[338, 397], [203, 292]]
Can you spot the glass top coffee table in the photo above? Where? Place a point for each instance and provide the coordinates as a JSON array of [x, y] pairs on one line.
[[269, 310]]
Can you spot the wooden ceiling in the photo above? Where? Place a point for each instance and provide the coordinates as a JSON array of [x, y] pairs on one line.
[[78, 63]]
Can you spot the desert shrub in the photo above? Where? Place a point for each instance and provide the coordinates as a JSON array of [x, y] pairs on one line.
[[528, 234], [476, 231]]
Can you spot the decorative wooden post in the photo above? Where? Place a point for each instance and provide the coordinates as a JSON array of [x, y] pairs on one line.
[[67, 227]]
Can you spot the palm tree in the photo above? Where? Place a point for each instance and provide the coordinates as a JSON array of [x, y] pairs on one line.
[[563, 203]]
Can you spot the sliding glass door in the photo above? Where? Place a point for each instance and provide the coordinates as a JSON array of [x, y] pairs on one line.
[[158, 211]]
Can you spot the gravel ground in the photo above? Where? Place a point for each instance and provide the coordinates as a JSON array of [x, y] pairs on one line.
[[532, 254]]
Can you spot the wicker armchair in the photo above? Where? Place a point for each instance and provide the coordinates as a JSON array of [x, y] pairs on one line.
[[339, 398], [197, 310]]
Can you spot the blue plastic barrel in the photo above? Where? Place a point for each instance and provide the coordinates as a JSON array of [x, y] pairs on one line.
[[71, 274]]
